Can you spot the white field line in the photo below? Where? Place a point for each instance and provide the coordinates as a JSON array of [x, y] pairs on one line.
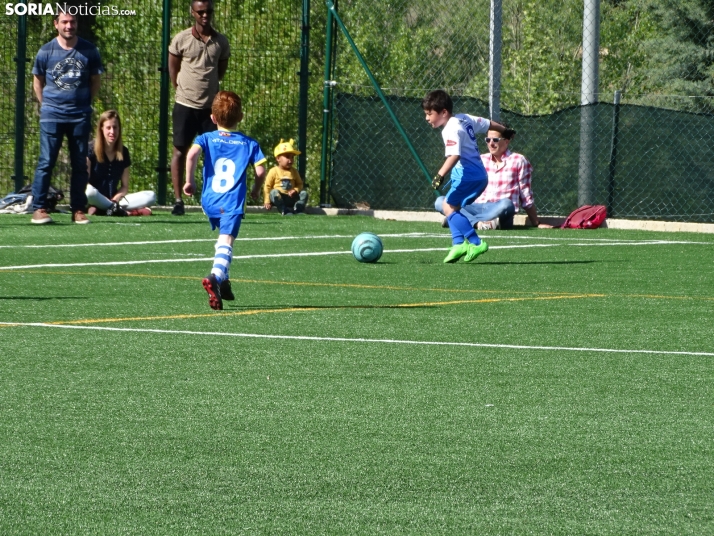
[[360, 340], [158, 261], [304, 254], [322, 237], [580, 239], [239, 239]]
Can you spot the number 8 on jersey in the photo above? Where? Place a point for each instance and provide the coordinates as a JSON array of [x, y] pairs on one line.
[[224, 179]]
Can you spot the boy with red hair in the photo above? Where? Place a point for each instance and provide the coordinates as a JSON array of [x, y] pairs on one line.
[[227, 155]]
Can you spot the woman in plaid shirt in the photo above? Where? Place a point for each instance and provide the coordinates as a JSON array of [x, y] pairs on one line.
[[509, 187]]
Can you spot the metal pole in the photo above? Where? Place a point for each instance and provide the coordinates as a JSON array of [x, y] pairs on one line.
[[494, 61], [304, 85], [20, 61], [326, 107], [613, 153], [376, 87], [588, 100], [161, 166]]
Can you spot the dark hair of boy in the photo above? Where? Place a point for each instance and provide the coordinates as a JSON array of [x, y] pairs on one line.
[[437, 101], [226, 109]]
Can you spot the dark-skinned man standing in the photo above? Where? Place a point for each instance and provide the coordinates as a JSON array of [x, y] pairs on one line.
[[198, 59]]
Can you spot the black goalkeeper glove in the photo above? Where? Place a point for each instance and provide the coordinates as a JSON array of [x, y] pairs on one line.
[[437, 181]]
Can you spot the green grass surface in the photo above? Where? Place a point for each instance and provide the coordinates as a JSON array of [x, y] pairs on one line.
[[579, 403]]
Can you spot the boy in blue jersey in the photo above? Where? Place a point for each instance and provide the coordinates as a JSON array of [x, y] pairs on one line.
[[468, 175], [227, 155]]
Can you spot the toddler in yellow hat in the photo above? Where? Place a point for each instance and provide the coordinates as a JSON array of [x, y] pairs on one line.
[[284, 188]]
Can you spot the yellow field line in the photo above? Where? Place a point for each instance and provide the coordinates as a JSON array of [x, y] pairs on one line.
[[658, 297], [494, 300], [301, 309], [293, 283], [182, 316], [534, 295]]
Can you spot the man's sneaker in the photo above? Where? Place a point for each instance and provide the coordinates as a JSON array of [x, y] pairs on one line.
[[214, 292], [179, 209], [116, 210], [80, 217], [226, 292], [41, 216], [456, 252], [146, 211], [474, 251], [489, 225]]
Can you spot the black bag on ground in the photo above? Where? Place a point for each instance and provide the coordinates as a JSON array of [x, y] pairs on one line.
[[54, 196]]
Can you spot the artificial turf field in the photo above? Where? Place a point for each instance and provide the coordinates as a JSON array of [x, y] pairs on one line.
[[560, 384]]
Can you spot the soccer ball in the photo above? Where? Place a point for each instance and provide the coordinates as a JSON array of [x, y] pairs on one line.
[[367, 247]]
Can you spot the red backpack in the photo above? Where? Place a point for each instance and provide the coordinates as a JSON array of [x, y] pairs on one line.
[[586, 217]]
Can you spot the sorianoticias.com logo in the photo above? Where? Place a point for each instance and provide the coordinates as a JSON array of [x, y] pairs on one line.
[[56, 9]]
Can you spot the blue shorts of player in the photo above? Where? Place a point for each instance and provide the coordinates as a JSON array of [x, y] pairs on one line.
[[465, 189], [227, 224]]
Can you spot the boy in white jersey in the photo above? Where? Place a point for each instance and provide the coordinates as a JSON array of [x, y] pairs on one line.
[[227, 155], [468, 176]]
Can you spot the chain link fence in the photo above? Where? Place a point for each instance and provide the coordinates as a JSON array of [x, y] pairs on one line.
[[8, 71], [647, 156], [263, 69]]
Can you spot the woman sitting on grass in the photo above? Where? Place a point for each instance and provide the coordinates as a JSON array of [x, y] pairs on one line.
[[108, 166]]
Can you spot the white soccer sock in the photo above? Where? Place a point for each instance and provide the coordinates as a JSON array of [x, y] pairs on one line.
[[222, 261]]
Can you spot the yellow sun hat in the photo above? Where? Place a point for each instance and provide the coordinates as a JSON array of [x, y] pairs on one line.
[[285, 147]]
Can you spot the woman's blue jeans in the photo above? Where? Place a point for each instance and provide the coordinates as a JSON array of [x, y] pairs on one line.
[[476, 212]]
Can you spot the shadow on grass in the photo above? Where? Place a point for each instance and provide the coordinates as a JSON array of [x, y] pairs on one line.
[[486, 263], [36, 298], [149, 219], [517, 263]]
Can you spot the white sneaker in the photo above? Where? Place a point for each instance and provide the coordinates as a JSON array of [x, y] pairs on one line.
[[489, 225]]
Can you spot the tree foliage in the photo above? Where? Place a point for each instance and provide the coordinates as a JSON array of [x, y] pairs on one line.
[[656, 51]]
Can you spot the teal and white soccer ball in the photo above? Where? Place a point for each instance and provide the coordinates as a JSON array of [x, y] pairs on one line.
[[367, 247]]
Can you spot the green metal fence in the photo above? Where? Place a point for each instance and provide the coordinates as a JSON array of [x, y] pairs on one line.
[[265, 69], [646, 157], [658, 53], [650, 173]]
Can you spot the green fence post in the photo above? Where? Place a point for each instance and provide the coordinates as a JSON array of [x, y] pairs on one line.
[[376, 87], [20, 60], [326, 107], [161, 166], [304, 86]]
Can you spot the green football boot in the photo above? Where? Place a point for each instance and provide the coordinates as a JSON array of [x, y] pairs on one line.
[[456, 252], [474, 251]]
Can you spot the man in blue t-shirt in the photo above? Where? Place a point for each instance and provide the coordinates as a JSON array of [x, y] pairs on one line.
[[66, 79]]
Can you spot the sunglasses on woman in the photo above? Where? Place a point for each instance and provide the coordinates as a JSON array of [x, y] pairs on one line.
[[495, 140]]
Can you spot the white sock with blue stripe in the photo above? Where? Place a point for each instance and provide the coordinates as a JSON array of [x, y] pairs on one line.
[[222, 261]]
